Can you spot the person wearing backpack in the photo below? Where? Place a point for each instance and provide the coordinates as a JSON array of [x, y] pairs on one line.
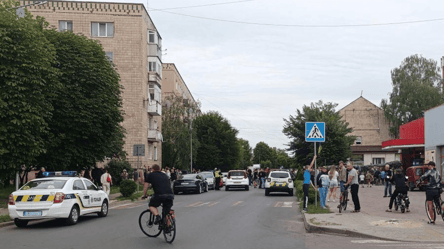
[[323, 182], [106, 181]]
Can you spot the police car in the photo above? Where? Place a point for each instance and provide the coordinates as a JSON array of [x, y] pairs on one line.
[[57, 195], [279, 181]]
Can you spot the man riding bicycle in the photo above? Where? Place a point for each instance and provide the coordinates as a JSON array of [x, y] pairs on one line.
[[433, 188], [163, 194]]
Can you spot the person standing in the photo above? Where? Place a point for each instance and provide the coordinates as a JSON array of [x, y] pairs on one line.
[[362, 179], [307, 182], [323, 183], [342, 175], [377, 176], [369, 179], [400, 188], [40, 174], [433, 187], [388, 184], [124, 175], [106, 181], [262, 175], [333, 176], [96, 174], [250, 177], [217, 176], [354, 186], [255, 178]]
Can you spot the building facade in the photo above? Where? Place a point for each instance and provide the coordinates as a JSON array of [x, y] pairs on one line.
[[370, 128], [131, 40], [173, 83], [434, 136]]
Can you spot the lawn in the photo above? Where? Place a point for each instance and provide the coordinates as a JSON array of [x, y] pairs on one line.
[[5, 218], [312, 209], [116, 189]]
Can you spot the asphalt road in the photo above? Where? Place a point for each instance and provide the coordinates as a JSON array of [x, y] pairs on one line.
[[217, 219]]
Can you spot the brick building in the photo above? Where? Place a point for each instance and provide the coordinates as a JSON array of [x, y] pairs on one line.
[[173, 83], [370, 128], [131, 40]]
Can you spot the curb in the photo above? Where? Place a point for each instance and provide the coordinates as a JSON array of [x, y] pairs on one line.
[[7, 223]]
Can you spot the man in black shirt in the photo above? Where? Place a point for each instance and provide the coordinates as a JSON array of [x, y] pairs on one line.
[[163, 194], [262, 175], [400, 188]]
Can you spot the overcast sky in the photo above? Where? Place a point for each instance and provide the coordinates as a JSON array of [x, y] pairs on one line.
[[256, 75]]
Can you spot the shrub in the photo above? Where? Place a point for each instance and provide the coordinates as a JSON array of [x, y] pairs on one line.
[[115, 168], [127, 187], [300, 174]]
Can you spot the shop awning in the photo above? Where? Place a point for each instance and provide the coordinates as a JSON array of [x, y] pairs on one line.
[[403, 143]]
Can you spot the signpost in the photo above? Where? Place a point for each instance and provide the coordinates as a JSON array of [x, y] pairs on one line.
[[315, 132], [138, 151]]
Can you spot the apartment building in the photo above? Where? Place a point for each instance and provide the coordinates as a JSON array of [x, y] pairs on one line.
[[131, 40], [370, 128], [173, 83]]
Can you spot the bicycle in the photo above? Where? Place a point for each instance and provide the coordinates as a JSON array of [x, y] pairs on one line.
[[343, 199], [400, 202], [437, 210], [167, 225]]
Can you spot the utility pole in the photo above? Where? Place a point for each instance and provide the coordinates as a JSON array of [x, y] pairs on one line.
[[191, 141]]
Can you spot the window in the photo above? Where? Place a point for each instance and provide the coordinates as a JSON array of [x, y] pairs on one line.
[[102, 29], [358, 140], [155, 153], [378, 160], [90, 185], [44, 184], [150, 123], [150, 152], [152, 66], [78, 185], [151, 36], [110, 56], [65, 25]]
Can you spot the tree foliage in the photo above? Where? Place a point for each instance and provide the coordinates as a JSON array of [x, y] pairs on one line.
[[416, 88], [28, 83], [245, 154], [262, 152], [337, 143], [176, 118], [217, 140]]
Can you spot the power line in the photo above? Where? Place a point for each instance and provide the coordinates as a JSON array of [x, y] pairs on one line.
[[305, 25], [204, 5]]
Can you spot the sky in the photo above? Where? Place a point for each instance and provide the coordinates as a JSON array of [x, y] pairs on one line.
[[296, 53]]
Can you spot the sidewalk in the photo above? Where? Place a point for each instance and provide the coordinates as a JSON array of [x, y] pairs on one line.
[[374, 222]]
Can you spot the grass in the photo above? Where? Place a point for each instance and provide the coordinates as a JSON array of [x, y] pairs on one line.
[[116, 189], [135, 196], [312, 209], [5, 218]]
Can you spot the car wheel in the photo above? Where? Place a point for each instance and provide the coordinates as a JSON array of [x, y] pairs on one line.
[[226, 188], [20, 223], [199, 189], [73, 216], [206, 187], [104, 211], [267, 192], [247, 188], [290, 192]]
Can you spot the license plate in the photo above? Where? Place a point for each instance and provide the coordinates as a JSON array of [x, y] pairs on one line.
[[32, 213], [237, 182], [185, 183]]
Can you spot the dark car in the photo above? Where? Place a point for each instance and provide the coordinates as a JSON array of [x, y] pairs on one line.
[[190, 183], [414, 173]]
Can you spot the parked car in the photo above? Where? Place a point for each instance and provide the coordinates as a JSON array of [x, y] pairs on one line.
[[237, 179], [414, 173], [57, 195], [190, 183], [209, 178], [279, 181]]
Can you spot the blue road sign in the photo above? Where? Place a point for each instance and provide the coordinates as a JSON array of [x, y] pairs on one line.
[[315, 132]]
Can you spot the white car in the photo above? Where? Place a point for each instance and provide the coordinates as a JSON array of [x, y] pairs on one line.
[[57, 196], [209, 178], [279, 181], [237, 179], [224, 177]]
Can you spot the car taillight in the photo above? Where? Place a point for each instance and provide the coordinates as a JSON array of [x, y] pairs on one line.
[[269, 179], [11, 200], [59, 197]]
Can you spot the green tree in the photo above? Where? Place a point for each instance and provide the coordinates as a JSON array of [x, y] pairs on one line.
[[217, 140], [337, 143], [28, 85], [176, 118], [266, 164], [262, 152], [282, 158], [416, 88], [86, 122], [245, 154]]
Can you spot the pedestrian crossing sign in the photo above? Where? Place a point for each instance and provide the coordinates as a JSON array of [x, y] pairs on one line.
[[315, 132]]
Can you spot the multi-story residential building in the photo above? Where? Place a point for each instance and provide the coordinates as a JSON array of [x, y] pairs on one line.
[[370, 128], [131, 40], [173, 83]]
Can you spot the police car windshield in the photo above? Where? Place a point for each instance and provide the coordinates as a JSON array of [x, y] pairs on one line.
[[44, 184], [279, 175]]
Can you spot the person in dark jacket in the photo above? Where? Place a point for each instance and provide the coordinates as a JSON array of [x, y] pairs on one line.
[[399, 180], [96, 174], [40, 174], [388, 183]]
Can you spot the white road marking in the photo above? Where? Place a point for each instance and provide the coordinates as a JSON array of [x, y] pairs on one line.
[[236, 203], [278, 204], [288, 204], [205, 203]]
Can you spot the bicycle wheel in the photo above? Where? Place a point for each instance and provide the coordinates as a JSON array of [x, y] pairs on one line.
[[345, 201], [427, 211], [146, 223], [170, 232]]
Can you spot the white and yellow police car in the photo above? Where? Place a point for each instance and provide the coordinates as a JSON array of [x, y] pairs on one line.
[[279, 181], [57, 195]]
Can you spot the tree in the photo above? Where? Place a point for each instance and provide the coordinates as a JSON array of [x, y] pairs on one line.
[[245, 154], [337, 143], [262, 152], [28, 83], [416, 88], [86, 122], [217, 140], [176, 118], [282, 158]]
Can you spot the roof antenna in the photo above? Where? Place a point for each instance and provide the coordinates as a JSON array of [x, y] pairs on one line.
[[361, 92]]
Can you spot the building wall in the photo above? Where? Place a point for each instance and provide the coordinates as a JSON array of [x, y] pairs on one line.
[[434, 136], [173, 83], [130, 51]]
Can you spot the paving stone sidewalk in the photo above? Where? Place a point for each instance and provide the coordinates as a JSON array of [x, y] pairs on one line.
[[374, 222]]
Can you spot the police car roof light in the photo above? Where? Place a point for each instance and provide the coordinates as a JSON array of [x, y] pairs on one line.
[[60, 173]]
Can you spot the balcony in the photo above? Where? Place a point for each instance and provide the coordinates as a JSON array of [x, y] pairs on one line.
[[154, 136], [154, 108]]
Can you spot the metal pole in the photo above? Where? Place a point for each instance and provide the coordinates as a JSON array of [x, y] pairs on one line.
[[316, 192], [137, 170], [191, 142], [17, 181]]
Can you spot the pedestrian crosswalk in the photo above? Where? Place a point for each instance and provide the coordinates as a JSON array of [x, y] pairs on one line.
[[204, 204]]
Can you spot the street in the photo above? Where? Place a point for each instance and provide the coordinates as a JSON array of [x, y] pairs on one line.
[[217, 219]]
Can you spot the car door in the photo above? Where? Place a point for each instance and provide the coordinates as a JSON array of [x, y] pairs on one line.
[[80, 190], [95, 196]]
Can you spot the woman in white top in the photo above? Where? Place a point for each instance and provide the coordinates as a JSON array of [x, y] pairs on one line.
[[333, 175]]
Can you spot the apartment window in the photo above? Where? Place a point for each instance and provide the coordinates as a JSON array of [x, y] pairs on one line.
[[150, 151], [152, 66], [378, 160], [151, 37], [358, 140], [150, 123], [102, 29], [155, 153], [65, 25], [110, 56]]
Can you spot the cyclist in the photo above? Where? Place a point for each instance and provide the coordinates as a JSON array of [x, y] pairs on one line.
[[163, 194], [400, 188], [433, 187]]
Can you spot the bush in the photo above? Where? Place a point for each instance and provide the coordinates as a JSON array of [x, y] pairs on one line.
[[127, 187], [300, 174], [115, 168]]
